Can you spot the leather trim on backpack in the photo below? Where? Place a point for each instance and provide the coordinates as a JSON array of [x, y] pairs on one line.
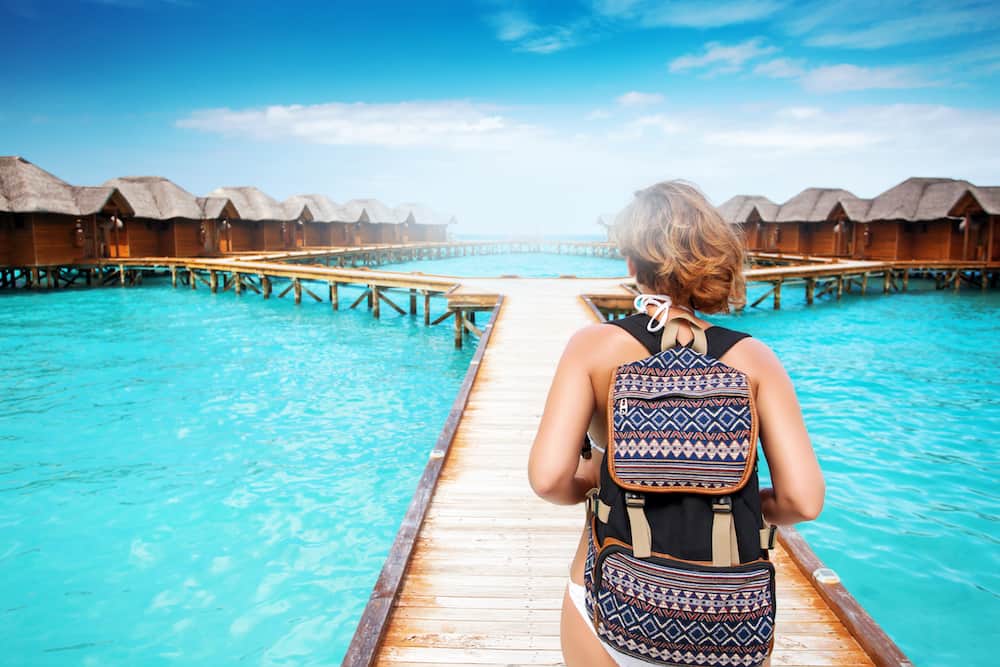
[[751, 457]]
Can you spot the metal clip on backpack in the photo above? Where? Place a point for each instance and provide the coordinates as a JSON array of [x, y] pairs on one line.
[[664, 578]]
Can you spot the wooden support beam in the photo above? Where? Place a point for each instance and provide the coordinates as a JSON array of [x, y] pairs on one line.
[[762, 297], [886, 281], [121, 273], [192, 280], [173, 276], [285, 291], [957, 279], [247, 282], [334, 296], [471, 326], [310, 293], [441, 318], [383, 297], [864, 283], [840, 287], [213, 281], [906, 279], [265, 285], [459, 328], [238, 282], [810, 290], [427, 308], [197, 275], [413, 300], [361, 298], [777, 295], [297, 284], [375, 300]]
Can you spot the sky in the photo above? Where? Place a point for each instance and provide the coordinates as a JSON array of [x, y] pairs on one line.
[[519, 118]]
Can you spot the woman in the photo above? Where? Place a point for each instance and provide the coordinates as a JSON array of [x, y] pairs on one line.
[[675, 245]]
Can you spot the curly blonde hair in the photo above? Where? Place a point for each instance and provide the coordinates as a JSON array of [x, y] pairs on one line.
[[682, 247]]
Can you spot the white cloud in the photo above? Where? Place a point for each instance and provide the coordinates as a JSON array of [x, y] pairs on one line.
[[687, 13], [844, 78], [781, 68], [512, 25], [722, 58], [598, 114], [453, 124], [636, 99], [529, 178]]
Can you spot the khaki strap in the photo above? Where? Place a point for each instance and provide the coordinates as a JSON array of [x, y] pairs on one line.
[[642, 538], [725, 548], [589, 500], [670, 329], [603, 511], [767, 536]]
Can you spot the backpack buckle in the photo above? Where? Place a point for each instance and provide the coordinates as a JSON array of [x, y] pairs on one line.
[[723, 504], [634, 500], [771, 529]]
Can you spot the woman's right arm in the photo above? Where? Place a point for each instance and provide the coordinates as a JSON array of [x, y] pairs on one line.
[[798, 485]]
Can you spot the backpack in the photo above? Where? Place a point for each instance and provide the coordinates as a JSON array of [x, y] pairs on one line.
[[677, 569]]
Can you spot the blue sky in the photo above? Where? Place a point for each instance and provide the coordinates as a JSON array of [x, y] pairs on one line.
[[517, 117]]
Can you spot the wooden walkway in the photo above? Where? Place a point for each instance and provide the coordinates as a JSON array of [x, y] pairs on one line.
[[481, 589]]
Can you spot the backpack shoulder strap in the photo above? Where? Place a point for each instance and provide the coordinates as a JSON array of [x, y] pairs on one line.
[[670, 329]]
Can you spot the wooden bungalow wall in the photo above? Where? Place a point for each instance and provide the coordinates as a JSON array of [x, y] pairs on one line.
[[46, 238], [317, 234], [818, 238], [934, 239]]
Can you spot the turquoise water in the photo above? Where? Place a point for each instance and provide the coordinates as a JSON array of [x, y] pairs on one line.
[[901, 395], [198, 479], [175, 466], [523, 264]]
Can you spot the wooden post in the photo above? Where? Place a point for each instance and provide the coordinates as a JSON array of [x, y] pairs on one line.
[[213, 281], [886, 281], [334, 297], [297, 286], [413, 301], [265, 286], [121, 274], [840, 287], [777, 295], [427, 308], [982, 277], [173, 276], [374, 300], [458, 328], [957, 280], [238, 282], [810, 289], [864, 283], [906, 278]]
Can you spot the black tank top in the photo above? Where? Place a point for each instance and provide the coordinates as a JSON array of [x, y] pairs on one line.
[[719, 339]]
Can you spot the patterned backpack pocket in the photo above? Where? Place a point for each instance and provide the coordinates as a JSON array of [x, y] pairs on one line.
[[681, 613], [681, 422]]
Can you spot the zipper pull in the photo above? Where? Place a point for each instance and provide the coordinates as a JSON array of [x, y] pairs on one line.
[[622, 406]]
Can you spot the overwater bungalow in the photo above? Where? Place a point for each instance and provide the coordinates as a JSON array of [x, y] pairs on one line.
[[422, 224], [298, 215], [167, 220], [216, 214], [803, 223], [45, 221], [322, 230], [263, 223], [980, 210], [912, 221], [846, 213], [756, 217], [381, 223]]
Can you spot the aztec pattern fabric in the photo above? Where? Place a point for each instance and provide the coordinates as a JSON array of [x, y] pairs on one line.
[[678, 613], [681, 421]]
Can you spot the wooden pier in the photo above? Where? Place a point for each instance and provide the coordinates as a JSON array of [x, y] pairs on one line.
[[480, 576]]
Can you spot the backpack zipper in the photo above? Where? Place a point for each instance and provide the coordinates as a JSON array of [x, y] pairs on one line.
[[623, 406]]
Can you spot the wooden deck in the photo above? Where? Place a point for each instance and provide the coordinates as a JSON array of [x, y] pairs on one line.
[[479, 592]]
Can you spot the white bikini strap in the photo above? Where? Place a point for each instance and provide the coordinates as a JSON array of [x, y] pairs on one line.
[[662, 302]]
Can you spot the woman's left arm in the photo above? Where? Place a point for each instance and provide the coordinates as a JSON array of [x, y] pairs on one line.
[[555, 453]]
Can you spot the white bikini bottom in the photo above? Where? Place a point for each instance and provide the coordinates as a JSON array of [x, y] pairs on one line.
[[577, 593]]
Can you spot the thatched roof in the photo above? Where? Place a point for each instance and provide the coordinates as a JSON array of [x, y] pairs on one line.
[[376, 210], [252, 204], [351, 212], [322, 208], [27, 188], [811, 205], [855, 208], [421, 214], [157, 198], [213, 208], [297, 210], [987, 198], [918, 199], [737, 209]]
